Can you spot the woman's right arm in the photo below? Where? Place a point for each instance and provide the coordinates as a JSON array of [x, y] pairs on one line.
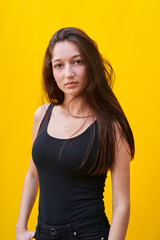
[[30, 186]]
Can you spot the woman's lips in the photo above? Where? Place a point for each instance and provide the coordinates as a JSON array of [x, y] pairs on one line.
[[71, 84]]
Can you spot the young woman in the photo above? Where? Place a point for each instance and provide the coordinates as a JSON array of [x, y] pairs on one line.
[[77, 138]]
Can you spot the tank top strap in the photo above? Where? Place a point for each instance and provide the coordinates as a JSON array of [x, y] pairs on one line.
[[44, 123]]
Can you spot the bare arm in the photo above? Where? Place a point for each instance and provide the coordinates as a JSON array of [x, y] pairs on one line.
[[120, 175], [30, 186]]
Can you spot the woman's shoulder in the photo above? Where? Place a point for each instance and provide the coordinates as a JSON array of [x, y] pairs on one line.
[[40, 112]]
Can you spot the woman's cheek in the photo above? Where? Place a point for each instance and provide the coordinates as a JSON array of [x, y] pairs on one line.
[[54, 74], [57, 75]]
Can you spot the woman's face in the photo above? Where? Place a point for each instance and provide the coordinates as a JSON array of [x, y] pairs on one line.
[[69, 68]]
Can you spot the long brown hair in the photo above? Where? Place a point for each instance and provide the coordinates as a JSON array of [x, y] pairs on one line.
[[98, 96]]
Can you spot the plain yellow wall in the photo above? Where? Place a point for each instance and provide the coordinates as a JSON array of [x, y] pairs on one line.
[[127, 33]]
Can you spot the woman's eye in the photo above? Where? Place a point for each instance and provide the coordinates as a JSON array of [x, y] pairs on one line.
[[58, 65], [78, 61]]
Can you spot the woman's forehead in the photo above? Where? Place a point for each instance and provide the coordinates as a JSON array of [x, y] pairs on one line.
[[65, 49]]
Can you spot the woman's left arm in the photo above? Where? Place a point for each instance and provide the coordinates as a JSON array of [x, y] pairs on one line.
[[120, 176]]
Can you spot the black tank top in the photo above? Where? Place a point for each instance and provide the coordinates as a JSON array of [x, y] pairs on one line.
[[67, 194]]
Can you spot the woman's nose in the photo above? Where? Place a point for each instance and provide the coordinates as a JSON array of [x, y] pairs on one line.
[[68, 71]]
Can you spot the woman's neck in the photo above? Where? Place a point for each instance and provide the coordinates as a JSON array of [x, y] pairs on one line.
[[76, 107]]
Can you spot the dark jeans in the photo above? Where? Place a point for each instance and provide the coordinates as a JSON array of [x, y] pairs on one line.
[[96, 228]]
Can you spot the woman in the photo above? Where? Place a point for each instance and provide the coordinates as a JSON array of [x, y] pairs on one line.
[[77, 138]]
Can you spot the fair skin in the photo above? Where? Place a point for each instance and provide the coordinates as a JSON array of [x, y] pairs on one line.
[[68, 65], [30, 186], [120, 176]]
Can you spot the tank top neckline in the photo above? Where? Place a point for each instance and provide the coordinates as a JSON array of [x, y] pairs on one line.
[[65, 139]]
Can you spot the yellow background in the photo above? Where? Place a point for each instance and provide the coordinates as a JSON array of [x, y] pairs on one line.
[[127, 33]]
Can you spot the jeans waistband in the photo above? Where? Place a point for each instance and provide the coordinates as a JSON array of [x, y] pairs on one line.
[[54, 229]]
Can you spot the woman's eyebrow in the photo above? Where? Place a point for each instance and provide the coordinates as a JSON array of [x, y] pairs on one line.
[[58, 59]]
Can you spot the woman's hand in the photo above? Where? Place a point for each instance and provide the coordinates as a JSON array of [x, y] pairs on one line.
[[24, 234]]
